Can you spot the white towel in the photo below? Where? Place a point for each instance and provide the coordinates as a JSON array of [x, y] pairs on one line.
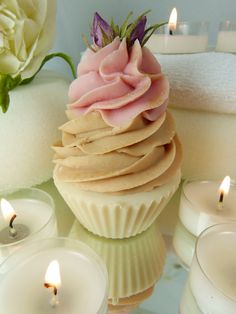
[[201, 81]]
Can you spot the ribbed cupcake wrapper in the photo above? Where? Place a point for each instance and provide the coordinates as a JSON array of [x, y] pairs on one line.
[[134, 265], [117, 216]]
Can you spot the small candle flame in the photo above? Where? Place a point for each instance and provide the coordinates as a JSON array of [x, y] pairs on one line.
[[173, 20], [7, 210], [225, 185], [53, 276], [223, 190]]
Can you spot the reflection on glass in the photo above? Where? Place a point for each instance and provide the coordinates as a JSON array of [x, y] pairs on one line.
[[210, 288], [184, 244], [134, 265]]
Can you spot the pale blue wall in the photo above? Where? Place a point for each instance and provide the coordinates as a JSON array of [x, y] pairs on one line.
[[74, 17]]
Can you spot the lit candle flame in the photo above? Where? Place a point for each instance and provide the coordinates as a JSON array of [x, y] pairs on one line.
[[7, 210], [223, 190], [173, 20], [53, 276], [225, 185]]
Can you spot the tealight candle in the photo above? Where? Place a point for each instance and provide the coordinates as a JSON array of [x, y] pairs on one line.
[[226, 40], [53, 276], [25, 215], [179, 37], [210, 288], [201, 205]]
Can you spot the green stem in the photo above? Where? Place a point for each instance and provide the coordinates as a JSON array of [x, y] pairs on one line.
[[48, 58]]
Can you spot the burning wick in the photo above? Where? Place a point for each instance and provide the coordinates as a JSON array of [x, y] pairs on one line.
[[54, 301], [12, 230], [53, 281], [224, 190], [172, 21]]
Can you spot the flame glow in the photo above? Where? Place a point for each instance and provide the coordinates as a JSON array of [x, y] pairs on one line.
[[173, 20], [7, 209], [53, 276], [225, 185]]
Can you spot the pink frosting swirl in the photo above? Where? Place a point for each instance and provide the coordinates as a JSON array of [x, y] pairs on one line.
[[120, 84]]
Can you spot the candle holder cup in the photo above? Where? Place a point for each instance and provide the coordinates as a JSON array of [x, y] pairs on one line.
[[199, 205], [35, 213], [84, 279], [212, 268]]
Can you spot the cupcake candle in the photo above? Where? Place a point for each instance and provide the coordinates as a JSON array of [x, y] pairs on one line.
[[118, 162]]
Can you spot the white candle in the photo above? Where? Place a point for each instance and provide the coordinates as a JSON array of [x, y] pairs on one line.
[[199, 205], [226, 40], [35, 213], [83, 287], [212, 280], [179, 37], [172, 44]]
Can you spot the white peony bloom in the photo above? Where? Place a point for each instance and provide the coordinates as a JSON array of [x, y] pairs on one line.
[[27, 30]]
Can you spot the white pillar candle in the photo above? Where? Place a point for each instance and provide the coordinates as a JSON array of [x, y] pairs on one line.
[[226, 40], [211, 281], [199, 205], [177, 43], [179, 37], [83, 287], [35, 212]]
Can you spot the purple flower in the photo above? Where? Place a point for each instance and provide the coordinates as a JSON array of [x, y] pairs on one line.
[[139, 31], [101, 32]]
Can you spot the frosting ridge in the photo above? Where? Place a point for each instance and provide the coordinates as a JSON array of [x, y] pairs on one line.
[[119, 138]]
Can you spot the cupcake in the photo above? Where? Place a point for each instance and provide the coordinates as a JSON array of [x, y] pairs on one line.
[[118, 163]]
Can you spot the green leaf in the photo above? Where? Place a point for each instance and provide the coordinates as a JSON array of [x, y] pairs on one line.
[[124, 26], [149, 31], [46, 59]]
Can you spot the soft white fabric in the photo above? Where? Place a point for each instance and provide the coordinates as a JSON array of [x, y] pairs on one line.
[[28, 130], [201, 81]]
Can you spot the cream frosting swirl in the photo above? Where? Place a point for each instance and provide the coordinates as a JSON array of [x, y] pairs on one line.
[[119, 137]]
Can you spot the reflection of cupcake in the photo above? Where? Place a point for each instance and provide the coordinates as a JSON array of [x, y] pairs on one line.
[[127, 305], [118, 162], [134, 265]]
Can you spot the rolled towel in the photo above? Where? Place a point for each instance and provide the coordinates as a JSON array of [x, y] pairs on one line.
[[201, 81], [28, 130]]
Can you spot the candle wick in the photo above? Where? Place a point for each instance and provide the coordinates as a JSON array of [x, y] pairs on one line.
[[171, 32], [221, 201], [12, 230], [54, 301]]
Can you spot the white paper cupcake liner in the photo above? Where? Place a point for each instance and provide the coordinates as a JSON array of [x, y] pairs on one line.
[[117, 216], [134, 265]]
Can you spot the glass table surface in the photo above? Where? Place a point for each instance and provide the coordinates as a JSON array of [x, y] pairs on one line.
[[168, 290]]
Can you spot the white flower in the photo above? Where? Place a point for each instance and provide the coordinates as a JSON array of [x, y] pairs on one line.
[[27, 30]]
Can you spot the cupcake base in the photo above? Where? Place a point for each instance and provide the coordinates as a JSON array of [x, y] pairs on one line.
[[117, 216]]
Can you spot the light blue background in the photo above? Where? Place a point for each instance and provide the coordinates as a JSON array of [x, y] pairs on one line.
[[75, 16]]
